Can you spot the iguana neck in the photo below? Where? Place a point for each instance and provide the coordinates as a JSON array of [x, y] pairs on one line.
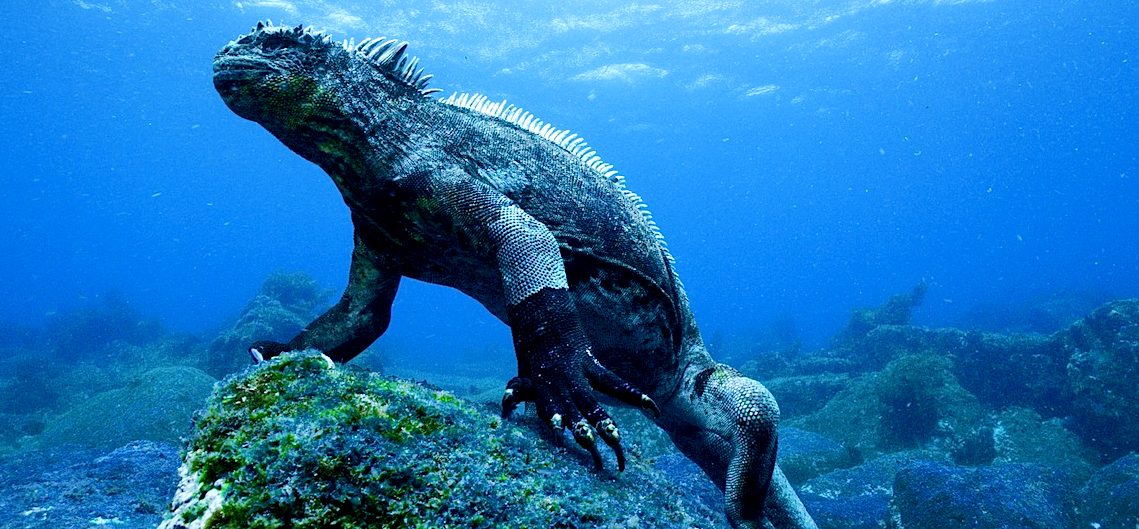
[[372, 140]]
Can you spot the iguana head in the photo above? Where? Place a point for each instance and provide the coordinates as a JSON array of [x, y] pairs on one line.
[[328, 101]]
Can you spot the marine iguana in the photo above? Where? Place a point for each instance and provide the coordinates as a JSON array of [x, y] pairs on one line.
[[526, 219]]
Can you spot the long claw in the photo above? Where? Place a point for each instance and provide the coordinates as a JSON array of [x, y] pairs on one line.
[[255, 353], [558, 427], [609, 433], [648, 405], [510, 401], [607, 382], [583, 434], [518, 390], [263, 350]]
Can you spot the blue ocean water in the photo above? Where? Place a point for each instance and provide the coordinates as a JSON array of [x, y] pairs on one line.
[[802, 158]]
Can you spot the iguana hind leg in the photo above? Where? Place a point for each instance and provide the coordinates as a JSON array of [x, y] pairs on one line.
[[727, 424]]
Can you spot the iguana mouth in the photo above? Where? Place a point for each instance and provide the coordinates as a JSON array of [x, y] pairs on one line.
[[233, 75], [229, 69]]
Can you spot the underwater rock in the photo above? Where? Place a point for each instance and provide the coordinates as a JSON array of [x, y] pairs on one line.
[[295, 440], [284, 305], [805, 365], [1102, 369], [1020, 435], [1013, 370], [801, 395], [30, 384], [804, 455], [79, 333], [930, 495], [1000, 370], [858, 512], [157, 405], [692, 482], [15, 428], [858, 497], [1043, 315], [896, 311], [1111, 497], [914, 402], [78, 487]]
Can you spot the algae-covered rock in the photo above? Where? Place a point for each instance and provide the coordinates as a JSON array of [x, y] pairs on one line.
[[896, 311], [157, 405], [82, 332], [1021, 435], [929, 495], [1000, 370], [1111, 497], [914, 402], [1012, 370], [858, 497], [800, 395], [296, 442], [804, 455], [1103, 367]]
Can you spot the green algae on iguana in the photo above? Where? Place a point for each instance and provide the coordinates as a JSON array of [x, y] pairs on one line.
[[297, 443]]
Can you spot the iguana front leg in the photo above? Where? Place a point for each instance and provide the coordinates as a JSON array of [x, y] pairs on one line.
[[354, 322], [556, 368]]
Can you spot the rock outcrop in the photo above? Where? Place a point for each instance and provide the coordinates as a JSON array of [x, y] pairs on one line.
[[299, 440]]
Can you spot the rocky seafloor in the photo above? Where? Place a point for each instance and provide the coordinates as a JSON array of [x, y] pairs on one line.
[[892, 425]]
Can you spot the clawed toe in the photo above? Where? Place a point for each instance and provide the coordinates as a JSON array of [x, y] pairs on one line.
[[609, 433], [583, 434], [256, 355], [518, 390]]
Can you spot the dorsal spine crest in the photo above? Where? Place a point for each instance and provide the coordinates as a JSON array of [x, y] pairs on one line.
[[389, 55], [563, 138]]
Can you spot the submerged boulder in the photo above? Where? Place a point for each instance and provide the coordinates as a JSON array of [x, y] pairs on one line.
[[804, 394], [1020, 435], [930, 495], [804, 455], [858, 497], [282, 307], [898, 310], [1001, 370], [157, 405], [1103, 365], [914, 402], [1111, 497], [297, 442]]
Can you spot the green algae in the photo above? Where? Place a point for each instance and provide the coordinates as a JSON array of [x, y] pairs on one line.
[[297, 443]]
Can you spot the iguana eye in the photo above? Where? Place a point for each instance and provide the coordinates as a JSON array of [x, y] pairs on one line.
[[277, 42]]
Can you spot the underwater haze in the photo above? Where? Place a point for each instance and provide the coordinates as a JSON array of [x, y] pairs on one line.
[[801, 158]]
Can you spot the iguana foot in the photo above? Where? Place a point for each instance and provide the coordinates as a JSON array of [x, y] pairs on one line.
[[264, 350], [558, 372], [567, 401]]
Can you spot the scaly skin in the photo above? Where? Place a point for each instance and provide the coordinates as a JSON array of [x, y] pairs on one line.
[[524, 219]]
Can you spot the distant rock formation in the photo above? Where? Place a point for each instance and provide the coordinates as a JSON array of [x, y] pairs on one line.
[[285, 303], [157, 406]]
